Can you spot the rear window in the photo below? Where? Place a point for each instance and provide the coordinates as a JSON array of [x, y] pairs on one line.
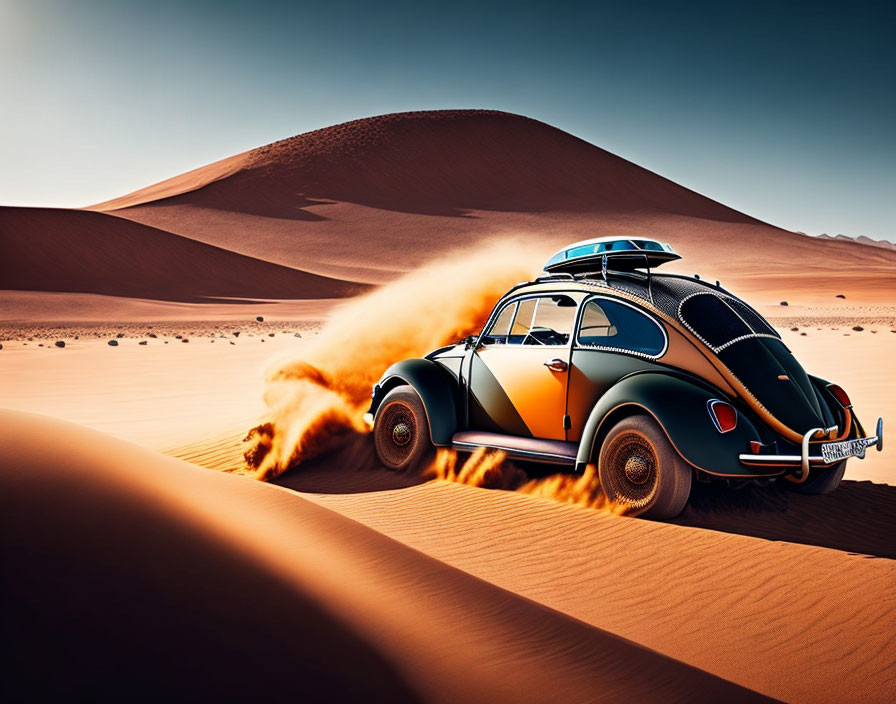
[[720, 320]]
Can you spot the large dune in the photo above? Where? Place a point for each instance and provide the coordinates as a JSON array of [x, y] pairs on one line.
[[372, 197], [159, 580], [799, 623], [443, 162]]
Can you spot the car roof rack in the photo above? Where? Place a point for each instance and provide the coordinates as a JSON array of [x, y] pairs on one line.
[[604, 254]]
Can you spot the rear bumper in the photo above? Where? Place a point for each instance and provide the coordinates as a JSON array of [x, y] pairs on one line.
[[805, 461]]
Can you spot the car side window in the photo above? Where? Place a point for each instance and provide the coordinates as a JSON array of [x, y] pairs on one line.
[[612, 325], [552, 321], [545, 320]]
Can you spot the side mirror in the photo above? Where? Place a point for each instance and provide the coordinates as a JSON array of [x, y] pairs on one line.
[[470, 342]]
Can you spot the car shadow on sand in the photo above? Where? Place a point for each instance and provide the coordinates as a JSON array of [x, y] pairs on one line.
[[859, 517]]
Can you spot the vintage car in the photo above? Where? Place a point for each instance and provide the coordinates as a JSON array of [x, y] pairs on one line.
[[657, 379]]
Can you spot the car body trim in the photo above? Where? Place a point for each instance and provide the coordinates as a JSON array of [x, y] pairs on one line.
[[559, 459], [554, 451]]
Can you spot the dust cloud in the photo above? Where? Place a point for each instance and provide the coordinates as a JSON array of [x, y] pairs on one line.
[[315, 400]]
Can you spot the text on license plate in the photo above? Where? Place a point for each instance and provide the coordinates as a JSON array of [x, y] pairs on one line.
[[835, 451]]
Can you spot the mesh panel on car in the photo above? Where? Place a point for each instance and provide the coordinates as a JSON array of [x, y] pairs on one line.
[[753, 319], [718, 318], [710, 318]]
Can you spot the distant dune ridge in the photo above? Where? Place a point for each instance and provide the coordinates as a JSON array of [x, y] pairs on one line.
[[862, 239], [83, 252], [364, 201]]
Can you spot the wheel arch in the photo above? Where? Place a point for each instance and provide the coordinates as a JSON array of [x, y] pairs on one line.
[[679, 406], [592, 441], [437, 390], [614, 416]]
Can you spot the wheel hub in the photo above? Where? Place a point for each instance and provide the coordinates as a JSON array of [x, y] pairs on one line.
[[401, 433], [637, 469]]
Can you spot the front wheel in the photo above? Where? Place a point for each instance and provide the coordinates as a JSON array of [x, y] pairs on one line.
[[401, 430], [639, 469]]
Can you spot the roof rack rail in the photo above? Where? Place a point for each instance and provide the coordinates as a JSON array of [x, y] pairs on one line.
[[564, 275]]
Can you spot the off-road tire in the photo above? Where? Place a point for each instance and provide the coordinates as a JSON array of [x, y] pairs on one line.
[[640, 470], [822, 481], [401, 430]]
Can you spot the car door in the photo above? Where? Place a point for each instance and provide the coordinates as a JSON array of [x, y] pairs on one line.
[[614, 339], [519, 374]]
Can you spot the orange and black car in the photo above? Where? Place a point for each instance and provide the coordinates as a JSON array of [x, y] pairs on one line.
[[655, 378]]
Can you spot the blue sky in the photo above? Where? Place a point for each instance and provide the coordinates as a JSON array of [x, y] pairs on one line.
[[786, 111]]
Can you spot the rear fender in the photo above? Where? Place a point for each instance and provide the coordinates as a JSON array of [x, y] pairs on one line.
[[436, 388], [680, 408]]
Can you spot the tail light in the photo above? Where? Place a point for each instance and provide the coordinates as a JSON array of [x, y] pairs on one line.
[[840, 395], [723, 415]]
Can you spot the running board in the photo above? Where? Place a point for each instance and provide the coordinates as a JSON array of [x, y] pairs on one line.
[[531, 449]]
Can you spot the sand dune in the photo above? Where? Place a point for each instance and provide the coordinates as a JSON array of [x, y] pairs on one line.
[[84, 252], [799, 623], [886, 244], [375, 197], [184, 183], [161, 580], [442, 162]]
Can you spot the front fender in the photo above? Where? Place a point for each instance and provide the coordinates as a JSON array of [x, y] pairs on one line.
[[679, 406], [436, 388]]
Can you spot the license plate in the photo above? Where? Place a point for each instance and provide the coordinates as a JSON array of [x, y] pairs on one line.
[[836, 451]]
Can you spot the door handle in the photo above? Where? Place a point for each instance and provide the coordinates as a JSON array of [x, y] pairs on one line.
[[556, 365]]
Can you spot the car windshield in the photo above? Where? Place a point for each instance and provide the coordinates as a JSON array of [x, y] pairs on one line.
[[720, 321]]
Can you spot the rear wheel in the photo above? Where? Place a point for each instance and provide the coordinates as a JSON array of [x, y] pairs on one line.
[[401, 430], [822, 481], [639, 469]]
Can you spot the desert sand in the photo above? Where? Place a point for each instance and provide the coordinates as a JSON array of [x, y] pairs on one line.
[[164, 569], [233, 588]]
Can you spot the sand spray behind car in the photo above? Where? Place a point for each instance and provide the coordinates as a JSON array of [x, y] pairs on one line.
[[317, 400], [487, 468]]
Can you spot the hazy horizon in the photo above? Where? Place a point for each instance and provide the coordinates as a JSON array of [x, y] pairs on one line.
[[784, 111]]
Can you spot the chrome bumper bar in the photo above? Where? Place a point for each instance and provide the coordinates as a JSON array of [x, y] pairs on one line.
[[804, 460]]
